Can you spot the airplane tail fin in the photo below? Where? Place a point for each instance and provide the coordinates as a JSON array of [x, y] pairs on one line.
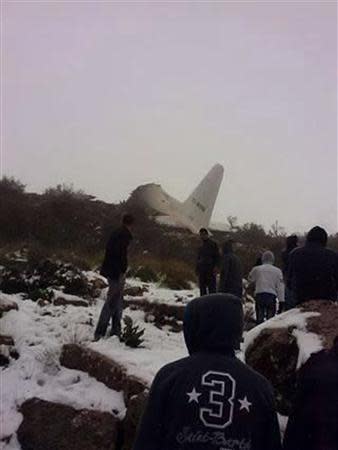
[[200, 204]]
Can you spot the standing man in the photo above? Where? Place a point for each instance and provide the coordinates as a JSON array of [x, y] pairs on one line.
[[291, 244], [207, 263], [313, 269], [114, 267], [231, 272], [269, 286]]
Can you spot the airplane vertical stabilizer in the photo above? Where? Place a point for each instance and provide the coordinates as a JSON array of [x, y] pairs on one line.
[[200, 204]]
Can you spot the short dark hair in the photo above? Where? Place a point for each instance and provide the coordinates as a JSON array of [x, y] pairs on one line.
[[203, 231], [128, 219], [317, 234]]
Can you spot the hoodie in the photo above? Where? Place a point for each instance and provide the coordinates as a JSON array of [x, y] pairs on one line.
[[210, 400], [268, 278], [231, 272], [313, 423]]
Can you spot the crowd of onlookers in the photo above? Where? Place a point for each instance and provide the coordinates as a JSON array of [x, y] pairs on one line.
[[309, 272], [210, 400]]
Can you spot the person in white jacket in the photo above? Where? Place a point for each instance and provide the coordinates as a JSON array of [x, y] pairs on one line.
[[269, 286]]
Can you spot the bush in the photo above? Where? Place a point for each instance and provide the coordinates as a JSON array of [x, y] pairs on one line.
[[145, 274], [131, 334], [171, 273]]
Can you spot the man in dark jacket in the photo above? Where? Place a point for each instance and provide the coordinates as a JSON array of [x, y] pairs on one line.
[[313, 424], [114, 267], [207, 263], [231, 281], [313, 269], [291, 244], [210, 400]]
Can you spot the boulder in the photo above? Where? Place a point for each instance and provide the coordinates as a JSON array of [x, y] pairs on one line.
[[135, 291], [7, 304], [6, 340], [64, 301], [280, 346], [54, 426], [102, 368], [156, 308], [7, 350]]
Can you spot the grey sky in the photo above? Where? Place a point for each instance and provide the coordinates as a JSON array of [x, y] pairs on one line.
[[109, 95]]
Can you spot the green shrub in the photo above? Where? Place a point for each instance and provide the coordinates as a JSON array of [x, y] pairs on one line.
[[131, 334]]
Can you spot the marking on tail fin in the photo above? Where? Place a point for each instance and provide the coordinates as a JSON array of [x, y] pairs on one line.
[[200, 204]]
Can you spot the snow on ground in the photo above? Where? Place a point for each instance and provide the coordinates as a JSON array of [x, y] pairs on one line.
[[38, 338], [40, 332], [164, 295], [159, 348], [308, 343]]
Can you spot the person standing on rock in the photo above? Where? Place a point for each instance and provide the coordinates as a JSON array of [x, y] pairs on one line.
[[313, 423], [207, 263], [291, 244], [231, 281], [313, 269], [269, 285], [210, 400], [114, 267]]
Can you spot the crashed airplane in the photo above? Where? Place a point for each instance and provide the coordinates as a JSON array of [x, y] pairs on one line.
[[195, 213]]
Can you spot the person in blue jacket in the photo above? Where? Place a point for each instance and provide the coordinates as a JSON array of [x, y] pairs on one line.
[[210, 400]]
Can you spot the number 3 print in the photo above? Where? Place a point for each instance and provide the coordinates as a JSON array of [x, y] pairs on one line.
[[220, 408]]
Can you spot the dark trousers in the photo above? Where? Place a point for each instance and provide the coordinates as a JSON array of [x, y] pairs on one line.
[[265, 306], [207, 282], [112, 309], [289, 299]]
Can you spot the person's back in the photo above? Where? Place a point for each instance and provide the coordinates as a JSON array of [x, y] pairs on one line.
[[210, 400], [231, 272], [266, 278], [269, 285], [291, 244], [313, 269], [313, 424], [207, 263]]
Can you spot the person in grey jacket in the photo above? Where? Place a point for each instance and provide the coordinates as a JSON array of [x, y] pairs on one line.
[[231, 272], [269, 285]]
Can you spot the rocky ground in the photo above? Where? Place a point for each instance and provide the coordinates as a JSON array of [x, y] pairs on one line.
[[51, 369], [59, 387]]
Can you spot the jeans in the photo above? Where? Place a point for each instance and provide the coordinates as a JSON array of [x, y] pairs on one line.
[[112, 308], [265, 306], [207, 282]]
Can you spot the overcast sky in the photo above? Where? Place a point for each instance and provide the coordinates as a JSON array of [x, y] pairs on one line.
[[111, 95]]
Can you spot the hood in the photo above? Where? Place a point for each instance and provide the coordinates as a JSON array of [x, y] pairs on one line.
[[213, 323], [268, 257]]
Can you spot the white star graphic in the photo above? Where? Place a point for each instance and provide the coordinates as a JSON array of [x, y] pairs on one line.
[[245, 404], [193, 396]]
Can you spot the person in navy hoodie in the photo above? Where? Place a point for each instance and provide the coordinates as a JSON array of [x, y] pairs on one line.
[[210, 400], [313, 423]]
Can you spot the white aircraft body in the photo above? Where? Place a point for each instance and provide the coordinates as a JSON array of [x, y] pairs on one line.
[[195, 213]]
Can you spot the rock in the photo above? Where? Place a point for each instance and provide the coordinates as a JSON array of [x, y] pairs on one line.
[[135, 291], [161, 314], [280, 346], [136, 407], [104, 369], [157, 309], [6, 340], [326, 325], [53, 426], [62, 301], [7, 304]]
